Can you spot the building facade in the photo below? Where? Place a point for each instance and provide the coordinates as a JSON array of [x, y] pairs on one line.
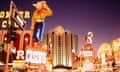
[[24, 39], [61, 42]]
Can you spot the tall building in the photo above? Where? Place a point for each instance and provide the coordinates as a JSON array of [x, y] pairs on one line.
[[61, 42]]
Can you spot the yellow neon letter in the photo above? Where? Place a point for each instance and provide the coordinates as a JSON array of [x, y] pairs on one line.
[[7, 14], [21, 13], [2, 14], [4, 24], [27, 14], [15, 25]]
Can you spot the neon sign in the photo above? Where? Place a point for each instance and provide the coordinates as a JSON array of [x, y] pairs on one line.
[[37, 57], [88, 53], [20, 54], [4, 15]]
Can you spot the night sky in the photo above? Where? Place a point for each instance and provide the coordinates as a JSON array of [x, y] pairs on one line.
[[102, 17]]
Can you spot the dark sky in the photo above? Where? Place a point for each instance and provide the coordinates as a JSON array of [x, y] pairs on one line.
[[102, 17]]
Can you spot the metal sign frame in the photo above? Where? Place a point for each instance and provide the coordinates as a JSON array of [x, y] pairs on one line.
[[15, 16]]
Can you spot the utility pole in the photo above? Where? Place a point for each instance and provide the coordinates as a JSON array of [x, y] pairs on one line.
[[7, 58], [8, 45]]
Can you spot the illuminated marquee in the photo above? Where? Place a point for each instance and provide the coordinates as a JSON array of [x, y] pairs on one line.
[[37, 57], [88, 53], [88, 66], [4, 15]]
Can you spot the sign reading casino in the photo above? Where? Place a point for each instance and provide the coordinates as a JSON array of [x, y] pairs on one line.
[[36, 57]]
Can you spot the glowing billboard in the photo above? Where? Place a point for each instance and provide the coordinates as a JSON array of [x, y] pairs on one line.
[[88, 53], [37, 57]]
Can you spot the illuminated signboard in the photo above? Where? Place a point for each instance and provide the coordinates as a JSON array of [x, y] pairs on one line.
[[21, 14], [37, 57], [14, 15], [88, 66], [5, 14], [88, 53], [19, 64]]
